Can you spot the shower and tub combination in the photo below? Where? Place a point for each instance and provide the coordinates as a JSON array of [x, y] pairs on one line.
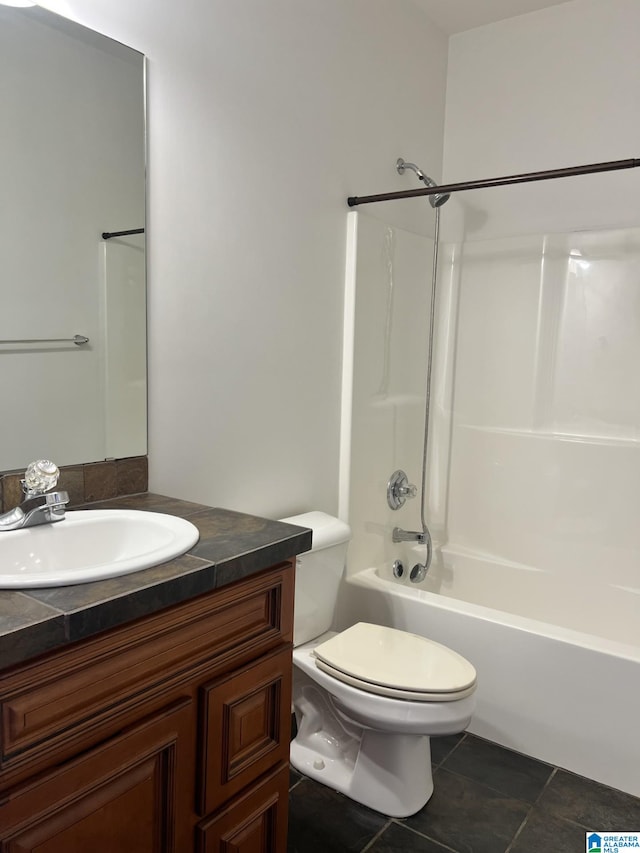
[[517, 546]]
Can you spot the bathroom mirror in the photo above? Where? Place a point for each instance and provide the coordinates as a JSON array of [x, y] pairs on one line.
[[72, 167]]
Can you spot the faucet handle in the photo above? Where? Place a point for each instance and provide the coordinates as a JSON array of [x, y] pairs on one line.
[[40, 477], [399, 489]]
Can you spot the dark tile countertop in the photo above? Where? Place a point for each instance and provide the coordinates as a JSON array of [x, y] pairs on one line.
[[232, 546]]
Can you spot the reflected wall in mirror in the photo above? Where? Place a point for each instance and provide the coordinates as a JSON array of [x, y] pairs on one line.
[[72, 166]]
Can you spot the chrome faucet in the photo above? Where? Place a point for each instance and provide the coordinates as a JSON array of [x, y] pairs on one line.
[[400, 535], [40, 504]]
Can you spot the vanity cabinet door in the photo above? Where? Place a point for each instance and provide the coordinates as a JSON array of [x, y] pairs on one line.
[[255, 822], [132, 794], [246, 727]]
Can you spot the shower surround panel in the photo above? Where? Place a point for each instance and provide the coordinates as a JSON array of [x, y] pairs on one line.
[[532, 477], [545, 429]]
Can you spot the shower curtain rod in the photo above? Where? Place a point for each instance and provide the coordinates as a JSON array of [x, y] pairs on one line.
[[610, 166]]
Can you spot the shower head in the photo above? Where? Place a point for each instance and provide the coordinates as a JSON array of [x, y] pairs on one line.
[[435, 200]]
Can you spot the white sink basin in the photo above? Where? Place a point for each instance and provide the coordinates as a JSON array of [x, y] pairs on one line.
[[90, 545]]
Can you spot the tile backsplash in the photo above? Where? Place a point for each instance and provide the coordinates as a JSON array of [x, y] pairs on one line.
[[92, 481]]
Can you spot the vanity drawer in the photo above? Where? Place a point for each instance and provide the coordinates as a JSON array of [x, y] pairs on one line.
[[91, 688], [255, 821], [245, 727]]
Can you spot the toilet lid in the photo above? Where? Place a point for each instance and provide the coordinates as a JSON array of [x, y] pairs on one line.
[[380, 657]]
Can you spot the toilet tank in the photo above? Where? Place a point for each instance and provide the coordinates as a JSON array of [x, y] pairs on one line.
[[318, 574]]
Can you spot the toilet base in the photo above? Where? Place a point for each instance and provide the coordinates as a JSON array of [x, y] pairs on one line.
[[391, 774], [385, 771]]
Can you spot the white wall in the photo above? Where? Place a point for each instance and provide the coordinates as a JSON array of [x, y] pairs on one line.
[[546, 405], [263, 118], [554, 88]]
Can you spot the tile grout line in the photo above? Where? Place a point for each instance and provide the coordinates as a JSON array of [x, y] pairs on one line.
[[519, 829], [546, 785], [369, 844], [531, 808], [450, 753], [398, 822], [296, 783]]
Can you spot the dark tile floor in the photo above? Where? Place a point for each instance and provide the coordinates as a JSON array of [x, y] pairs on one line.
[[486, 799]]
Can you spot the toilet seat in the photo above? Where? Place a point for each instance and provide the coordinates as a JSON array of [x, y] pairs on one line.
[[394, 663]]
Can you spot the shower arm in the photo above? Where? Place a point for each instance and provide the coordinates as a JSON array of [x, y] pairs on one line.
[[527, 177]]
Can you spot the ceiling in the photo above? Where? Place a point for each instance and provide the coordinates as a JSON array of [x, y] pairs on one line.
[[455, 16]]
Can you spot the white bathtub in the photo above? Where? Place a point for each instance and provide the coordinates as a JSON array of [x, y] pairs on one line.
[[565, 693]]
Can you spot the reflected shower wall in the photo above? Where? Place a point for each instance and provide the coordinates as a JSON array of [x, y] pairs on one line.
[[125, 361]]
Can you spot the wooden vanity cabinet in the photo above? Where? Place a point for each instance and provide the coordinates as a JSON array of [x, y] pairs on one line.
[[167, 735]]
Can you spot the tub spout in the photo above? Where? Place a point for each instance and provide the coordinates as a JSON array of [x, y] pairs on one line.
[[400, 535]]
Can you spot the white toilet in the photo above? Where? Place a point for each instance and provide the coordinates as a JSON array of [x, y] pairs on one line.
[[367, 699]]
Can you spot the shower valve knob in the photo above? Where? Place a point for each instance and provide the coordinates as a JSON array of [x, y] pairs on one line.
[[399, 489]]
